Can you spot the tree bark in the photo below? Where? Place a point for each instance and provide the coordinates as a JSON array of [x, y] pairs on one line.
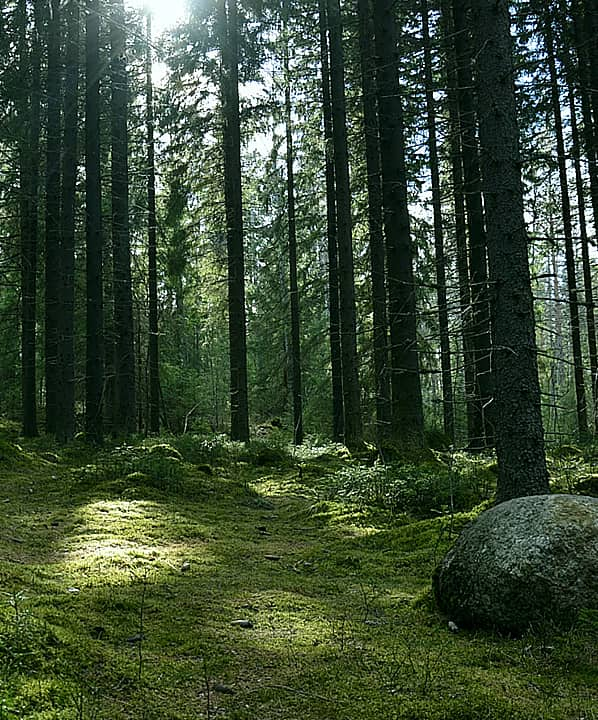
[[519, 432], [439, 254], [292, 243], [153, 340], [29, 119], [65, 428], [348, 325], [375, 219], [234, 220], [53, 309], [332, 249], [586, 262], [580, 394], [407, 406], [456, 165], [94, 381], [589, 126], [479, 325], [124, 416]]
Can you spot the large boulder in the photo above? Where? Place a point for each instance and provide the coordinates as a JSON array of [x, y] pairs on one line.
[[526, 563]]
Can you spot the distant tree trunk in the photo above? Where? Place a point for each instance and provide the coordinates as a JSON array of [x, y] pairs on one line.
[[351, 392], [589, 127], [407, 406], [65, 428], [440, 257], [580, 395], [482, 435], [519, 433], [586, 262], [93, 206], [333, 296], [292, 237], [124, 357], [234, 220], [375, 219], [53, 310], [456, 163], [153, 346], [29, 121]]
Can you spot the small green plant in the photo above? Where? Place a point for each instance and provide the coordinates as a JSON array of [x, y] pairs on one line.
[[424, 489], [24, 641]]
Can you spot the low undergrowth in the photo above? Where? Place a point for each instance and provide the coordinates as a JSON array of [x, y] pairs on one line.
[[195, 578]]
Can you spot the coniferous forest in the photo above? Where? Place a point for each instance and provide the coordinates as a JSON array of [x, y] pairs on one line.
[[290, 292]]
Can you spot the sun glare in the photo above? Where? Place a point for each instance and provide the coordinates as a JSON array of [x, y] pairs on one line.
[[165, 13]]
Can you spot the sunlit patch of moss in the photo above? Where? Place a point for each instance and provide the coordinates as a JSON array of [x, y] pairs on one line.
[[136, 578]]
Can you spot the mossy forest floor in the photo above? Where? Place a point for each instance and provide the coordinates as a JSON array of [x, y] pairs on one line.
[[192, 578]]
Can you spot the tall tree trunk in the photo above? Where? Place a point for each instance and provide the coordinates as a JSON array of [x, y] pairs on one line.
[[234, 220], [333, 295], [53, 310], [153, 344], [589, 128], [580, 395], [478, 275], [586, 262], [566, 59], [440, 257], [375, 219], [456, 164], [65, 428], [292, 239], [348, 325], [94, 380], [519, 433], [124, 347], [29, 119], [407, 406]]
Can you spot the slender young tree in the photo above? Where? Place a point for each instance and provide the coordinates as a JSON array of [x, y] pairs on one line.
[[479, 325], [292, 241], [231, 131], [588, 282], [52, 245], [29, 117], [350, 369], [65, 425], [440, 257], [94, 380], [590, 135], [153, 340], [124, 417], [375, 218], [578, 372], [407, 405], [519, 432], [456, 167], [332, 245]]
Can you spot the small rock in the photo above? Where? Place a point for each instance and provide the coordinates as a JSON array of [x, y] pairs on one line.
[[186, 566], [222, 689], [73, 590], [453, 627], [138, 637], [245, 624]]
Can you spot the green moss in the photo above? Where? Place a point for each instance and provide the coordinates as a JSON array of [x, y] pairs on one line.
[[132, 565], [164, 450]]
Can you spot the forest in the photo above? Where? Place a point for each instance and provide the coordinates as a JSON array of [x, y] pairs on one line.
[[290, 294]]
